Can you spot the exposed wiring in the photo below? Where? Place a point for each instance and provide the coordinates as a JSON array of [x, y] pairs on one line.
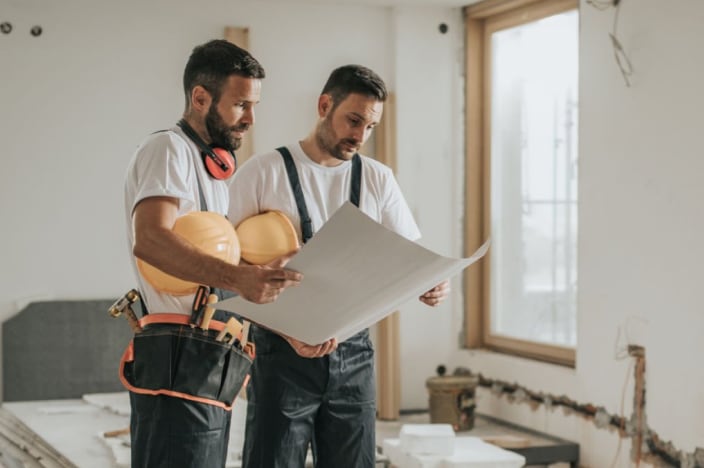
[[622, 428], [625, 336], [634, 427], [623, 350], [601, 4], [624, 63], [620, 56], [639, 403]]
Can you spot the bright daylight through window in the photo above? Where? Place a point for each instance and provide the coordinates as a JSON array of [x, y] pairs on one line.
[[533, 167]]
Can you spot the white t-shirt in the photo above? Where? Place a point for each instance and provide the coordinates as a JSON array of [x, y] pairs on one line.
[[166, 165], [262, 184]]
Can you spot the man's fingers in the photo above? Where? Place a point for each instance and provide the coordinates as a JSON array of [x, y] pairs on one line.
[[441, 290], [430, 301], [432, 294], [312, 351], [283, 260], [286, 277], [328, 347], [436, 295], [325, 348]]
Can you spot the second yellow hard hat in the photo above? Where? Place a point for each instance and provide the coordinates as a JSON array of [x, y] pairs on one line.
[[266, 236]]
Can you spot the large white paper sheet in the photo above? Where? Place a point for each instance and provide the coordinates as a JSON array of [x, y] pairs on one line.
[[356, 272]]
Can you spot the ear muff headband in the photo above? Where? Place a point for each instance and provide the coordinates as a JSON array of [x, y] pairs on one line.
[[219, 162]]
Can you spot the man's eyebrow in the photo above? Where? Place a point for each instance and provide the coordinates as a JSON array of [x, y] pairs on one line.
[[359, 116]]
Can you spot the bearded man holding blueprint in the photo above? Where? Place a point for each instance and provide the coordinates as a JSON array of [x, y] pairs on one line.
[[308, 394]]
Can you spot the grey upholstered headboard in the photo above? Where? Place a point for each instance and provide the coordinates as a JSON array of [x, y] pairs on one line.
[[62, 349]]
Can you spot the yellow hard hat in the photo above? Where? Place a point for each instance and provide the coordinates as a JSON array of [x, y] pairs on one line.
[[266, 236], [210, 232]]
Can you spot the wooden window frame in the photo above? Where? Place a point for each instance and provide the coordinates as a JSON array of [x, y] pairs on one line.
[[388, 330], [481, 20]]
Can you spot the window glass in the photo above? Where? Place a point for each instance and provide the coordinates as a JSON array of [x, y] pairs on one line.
[[533, 96]]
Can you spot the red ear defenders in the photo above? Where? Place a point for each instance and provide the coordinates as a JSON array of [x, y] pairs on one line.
[[219, 162]]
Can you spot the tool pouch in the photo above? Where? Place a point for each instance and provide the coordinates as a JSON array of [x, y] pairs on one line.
[[184, 362]]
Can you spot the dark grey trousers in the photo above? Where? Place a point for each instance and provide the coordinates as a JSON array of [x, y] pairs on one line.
[[328, 403], [172, 432]]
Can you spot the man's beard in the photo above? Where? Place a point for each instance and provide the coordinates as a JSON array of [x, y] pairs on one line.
[[220, 134], [326, 139]]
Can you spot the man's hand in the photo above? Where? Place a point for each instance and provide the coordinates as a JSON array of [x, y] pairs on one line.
[[436, 295], [263, 283], [311, 351]]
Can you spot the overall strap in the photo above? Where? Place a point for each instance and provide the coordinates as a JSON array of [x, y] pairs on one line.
[[203, 204], [200, 299], [356, 183], [306, 223], [294, 181], [221, 293]]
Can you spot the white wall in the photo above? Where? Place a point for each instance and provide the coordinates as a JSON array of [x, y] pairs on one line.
[[430, 132], [641, 222]]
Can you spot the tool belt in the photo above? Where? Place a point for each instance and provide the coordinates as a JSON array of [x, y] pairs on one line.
[[171, 357]]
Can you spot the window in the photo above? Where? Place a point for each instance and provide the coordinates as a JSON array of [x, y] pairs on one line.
[[522, 72]]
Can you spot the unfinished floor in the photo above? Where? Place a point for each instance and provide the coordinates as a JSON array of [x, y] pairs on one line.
[[72, 433]]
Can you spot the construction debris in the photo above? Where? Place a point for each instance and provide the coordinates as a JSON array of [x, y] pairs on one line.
[[21, 447]]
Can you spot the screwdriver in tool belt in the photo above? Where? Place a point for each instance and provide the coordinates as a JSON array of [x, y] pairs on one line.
[[199, 301]]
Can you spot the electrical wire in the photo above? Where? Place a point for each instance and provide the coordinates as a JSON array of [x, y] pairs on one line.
[[622, 412], [601, 4], [620, 56], [624, 63]]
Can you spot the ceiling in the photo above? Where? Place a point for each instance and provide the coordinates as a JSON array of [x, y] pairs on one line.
[[415, 3]]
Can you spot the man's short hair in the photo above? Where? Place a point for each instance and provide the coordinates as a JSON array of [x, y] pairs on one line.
[[354, 79], [212, 63]]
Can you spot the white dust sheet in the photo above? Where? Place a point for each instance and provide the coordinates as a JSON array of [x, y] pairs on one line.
[[356, 272]]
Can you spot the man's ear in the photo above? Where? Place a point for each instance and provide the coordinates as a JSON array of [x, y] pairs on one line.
[[325, 104], [200, 99]]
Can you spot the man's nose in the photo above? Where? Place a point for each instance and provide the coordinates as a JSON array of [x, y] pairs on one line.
[[248, 117], [358, 134]]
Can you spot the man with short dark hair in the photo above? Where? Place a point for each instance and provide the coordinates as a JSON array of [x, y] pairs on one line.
[[180, 414], [303, 395]]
